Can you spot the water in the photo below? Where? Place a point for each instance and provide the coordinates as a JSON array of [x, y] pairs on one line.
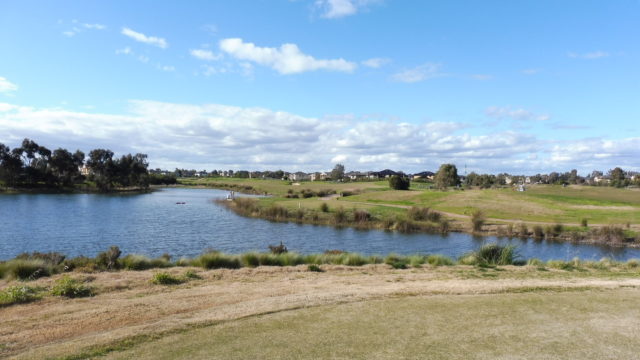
[[153, 224]]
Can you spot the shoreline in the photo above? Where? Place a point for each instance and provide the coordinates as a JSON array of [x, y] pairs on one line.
[[82, 190]]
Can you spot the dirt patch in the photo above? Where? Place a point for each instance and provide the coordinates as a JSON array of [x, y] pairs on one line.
[[598, 207]]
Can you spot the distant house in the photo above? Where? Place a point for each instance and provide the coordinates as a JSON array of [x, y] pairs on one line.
[[84, 170], [385, 173], [508, 180], [601, 179], [424, 175], [527, 180], [299, 176], [318, 176], [356, 175]]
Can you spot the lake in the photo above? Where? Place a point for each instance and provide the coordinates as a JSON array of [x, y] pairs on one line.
[[153, 224]]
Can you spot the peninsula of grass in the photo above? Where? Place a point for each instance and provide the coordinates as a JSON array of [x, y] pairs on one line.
[[583, 214]]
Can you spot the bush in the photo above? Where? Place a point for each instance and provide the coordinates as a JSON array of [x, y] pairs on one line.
[[276, 212], [72, 288], [405, 225], [523, 231], [324, 207], [477, 220], [398, 182], [340, 216], [584, 223], [611, 233], [52, 258], [163, 278], [250, 259], [18, 295], [278, 249], [538, 233], [109, 259], [314, 268], [361, 216], [396, 261], [444, 226], [246, 206]]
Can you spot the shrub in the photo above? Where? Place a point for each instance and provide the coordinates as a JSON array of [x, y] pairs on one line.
[[405, 225], [361, 216], [18, 295], [477, 220], [135, 262], [523, 232], [163, 278], [535, 262], [250, 259], [216, 260], [538, 233], [396, 261], [314, 268], [509, 231], [299, 214], [418, 213], [398, 182], [276, 212], [278, 249], [109, 259], [72, 288], [324, 207], [52, 258], [82, 263], [584, 223], [340, 216], [444, 226], [246, 206], [611, 233]]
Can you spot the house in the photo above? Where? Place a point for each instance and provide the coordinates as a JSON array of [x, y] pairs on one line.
[[527, 180], [424, 175], [318, 176], [385, 173], [508, 180], [84, 170], [356, 175], [299, 176]]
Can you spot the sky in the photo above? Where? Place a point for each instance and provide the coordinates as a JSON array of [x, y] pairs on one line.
[[522, 87]]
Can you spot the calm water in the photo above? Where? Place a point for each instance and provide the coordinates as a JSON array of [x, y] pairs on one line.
[[153, 224]]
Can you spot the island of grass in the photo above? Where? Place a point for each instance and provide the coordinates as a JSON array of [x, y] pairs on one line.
[[587, 214]]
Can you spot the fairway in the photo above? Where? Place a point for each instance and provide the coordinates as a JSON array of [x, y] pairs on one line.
[[539, 203], [592, 324]]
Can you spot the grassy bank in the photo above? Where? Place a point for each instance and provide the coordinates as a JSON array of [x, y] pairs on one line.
[[191, 312], [30, 267], [575, 213]]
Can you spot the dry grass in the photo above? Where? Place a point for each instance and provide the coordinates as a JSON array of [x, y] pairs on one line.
[[127, 305]]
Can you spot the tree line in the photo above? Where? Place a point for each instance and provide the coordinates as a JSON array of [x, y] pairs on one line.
[[34, 166]]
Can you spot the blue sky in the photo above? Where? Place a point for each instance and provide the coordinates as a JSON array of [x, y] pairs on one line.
[[521, 87]]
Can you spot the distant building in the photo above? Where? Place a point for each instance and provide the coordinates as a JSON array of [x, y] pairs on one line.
[[84, 170], [299, 176], [318, 176]]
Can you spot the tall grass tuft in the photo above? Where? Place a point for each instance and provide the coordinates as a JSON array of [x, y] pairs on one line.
[[523, 231], [396, 261], [216, 260], [477, 220], [439, 260], [164, 278], [324, 207], [26, 269], [361, 216], [538, 232], [490, 254], [339, 215], [275, 212], [611, 233]]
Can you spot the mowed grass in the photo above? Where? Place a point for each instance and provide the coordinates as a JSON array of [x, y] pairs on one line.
[[541, 203], [588, 324]]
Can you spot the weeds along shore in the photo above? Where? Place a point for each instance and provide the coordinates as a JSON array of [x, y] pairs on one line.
[[424, 219], [17, 273]]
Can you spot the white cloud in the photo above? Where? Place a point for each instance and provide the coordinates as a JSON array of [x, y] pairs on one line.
[[78, 28], [419, 73], [333, 9], [151, 40], [218, 136], [288, 59], [165, 68], [590, 55], [376, 62], [7, 86], [506, 112], [207, 55], [124, 51], [94, 26]]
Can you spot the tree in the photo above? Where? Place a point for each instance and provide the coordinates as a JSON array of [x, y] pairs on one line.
[[338, 172], [102, 168], [618, 178], [447, 176], [398, 182], [65, 166], [10, 166]]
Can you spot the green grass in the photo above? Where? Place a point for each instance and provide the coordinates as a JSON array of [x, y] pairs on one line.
[[72, 288], [19, 294], [164, 278], [536, 322]]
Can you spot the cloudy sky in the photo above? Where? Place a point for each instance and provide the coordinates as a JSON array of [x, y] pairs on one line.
[[515, 86]]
